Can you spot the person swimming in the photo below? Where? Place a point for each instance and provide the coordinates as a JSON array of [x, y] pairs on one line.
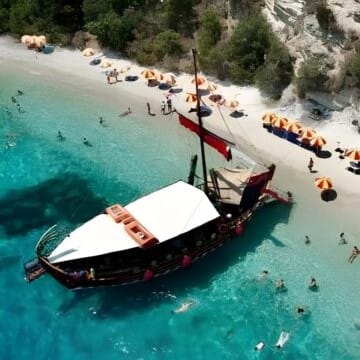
[[260, 346], [86, 142], [183, 307], [283, 339]]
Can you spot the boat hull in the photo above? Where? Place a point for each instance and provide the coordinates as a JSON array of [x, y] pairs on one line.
[[198, 243]]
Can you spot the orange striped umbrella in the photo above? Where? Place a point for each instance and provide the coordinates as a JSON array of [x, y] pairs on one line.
[[307, 133], [293, 126], [148, 74], [191, 97], [280, 122], [212, 86], [323, 183], [353, 154], [268, 118], [200, 80], [169, 79], [318, 141], [233, 103]]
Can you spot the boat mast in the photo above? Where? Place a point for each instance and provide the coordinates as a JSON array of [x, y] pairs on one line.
[[201, 134]]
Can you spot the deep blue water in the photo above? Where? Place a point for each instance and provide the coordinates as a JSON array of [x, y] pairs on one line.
[[43, 181]]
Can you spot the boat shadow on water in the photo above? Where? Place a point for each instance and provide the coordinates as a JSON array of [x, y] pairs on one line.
[[123, 300], [64, 198]]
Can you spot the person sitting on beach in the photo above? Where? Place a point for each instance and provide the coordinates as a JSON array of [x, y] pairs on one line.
[[307, 240], [354, 253], [342, 239], [183, 307]]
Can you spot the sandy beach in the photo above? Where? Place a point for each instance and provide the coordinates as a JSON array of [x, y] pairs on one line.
[[246, 132]]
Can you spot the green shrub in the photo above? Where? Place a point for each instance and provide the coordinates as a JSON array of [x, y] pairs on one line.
[[209, 31], [311, 77], [167, 43]]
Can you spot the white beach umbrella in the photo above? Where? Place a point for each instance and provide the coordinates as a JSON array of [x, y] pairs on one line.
[[88, 52], [105, 64]]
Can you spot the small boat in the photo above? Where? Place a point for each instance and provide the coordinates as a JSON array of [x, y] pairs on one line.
[[166, 230]]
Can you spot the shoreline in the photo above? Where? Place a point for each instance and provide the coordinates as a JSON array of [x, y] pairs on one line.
[[292, 174]]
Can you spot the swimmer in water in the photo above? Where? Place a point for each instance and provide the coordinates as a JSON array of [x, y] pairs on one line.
[[183, 307]]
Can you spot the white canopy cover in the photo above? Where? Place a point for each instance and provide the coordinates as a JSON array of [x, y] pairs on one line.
[[166, 213]]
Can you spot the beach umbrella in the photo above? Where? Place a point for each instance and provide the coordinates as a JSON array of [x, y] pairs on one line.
[[293, 126], [307, 133], [323, 183], [169, 79], [42, 38], [25, 39], [105, 64], [88, 52], [232, 103], [268, 118], [212, 86], [201, 80], [148, 74], [318, 141], [190, 97], [39, 42], [353, 154], [280, 122]]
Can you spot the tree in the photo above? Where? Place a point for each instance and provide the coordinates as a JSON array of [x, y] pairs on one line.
[[277, 71], [209, 31], [19, 19], [180, 16], [247, 48], [113, 31], [4, 15], [311, 77], [167, 43]]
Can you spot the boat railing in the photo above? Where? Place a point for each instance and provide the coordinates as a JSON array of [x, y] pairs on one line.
[[49, 240]]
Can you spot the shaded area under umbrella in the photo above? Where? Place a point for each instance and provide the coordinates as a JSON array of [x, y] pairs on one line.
[[237, 114], [215, 97], [131, 78], [164, 86], [328, 195]]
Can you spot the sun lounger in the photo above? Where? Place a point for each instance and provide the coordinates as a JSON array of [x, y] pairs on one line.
[[353, 170]]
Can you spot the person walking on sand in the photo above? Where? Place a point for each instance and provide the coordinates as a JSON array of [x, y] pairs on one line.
[[311, 165], [149, 109], [163, 107], [354, 253]]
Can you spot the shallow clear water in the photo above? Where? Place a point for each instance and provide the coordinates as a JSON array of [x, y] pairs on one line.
[[43, 180]]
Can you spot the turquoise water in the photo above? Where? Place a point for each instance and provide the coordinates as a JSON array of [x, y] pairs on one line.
[[43, 180]]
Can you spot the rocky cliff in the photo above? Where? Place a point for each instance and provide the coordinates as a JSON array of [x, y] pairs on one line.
[[296, 23]]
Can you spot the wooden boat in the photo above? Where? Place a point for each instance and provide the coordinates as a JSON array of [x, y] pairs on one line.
[[161, 232]]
